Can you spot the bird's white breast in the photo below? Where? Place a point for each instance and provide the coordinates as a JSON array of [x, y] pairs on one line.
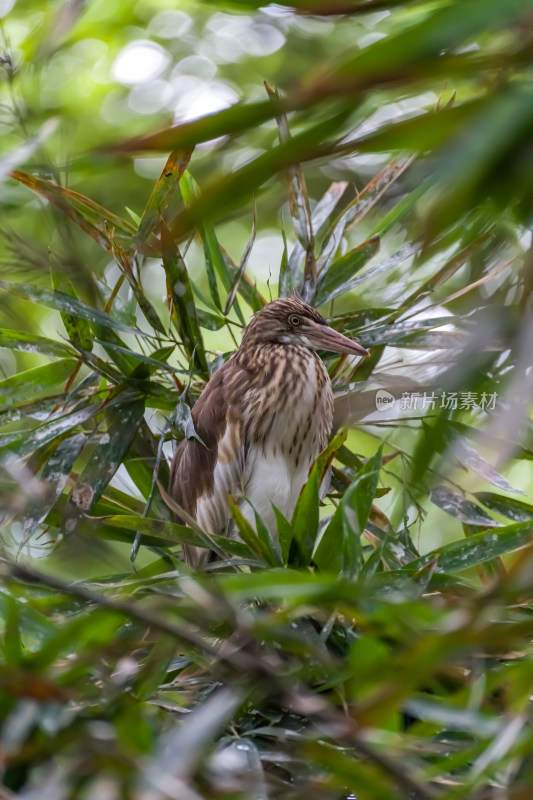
[[292, 433]]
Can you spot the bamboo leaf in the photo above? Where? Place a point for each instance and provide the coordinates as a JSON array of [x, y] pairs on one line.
[[339, 277], [162, 195], [517, 510], [305, 522], [92, 218], [67, 304], [179, 289], [462, 509], [55, 474], [35, 382], [123, 422], [172, 533], [477, 549], [247, 533], [28, 342], [77, 328], [240, 272], [340, 545]]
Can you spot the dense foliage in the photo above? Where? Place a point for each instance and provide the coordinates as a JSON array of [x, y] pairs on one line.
[[166, 170]]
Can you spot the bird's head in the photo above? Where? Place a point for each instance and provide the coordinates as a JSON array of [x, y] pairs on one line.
[[289, 320]]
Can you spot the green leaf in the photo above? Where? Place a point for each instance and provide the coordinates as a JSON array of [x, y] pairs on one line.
[[462, 509], [125, 265], [155, 361], [162, 196], [123, 422], [55, 474], [22, 443], [28, 342], [78, 329], [354, 212], [12, 644], [179, 289], [340, 546], [171, 533], [305, 519], [221, 197], [226, 122], [285, 533], [476, 549], [33, 383], [247, 533], [305, 522], [90, 216], [236, 282], [67, 304], [337, 279], [517, 510]]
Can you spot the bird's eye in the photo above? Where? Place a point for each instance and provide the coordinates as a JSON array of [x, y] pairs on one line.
[[294, 320]]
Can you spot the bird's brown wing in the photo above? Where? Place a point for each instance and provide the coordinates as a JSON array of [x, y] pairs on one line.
[[202, 475]]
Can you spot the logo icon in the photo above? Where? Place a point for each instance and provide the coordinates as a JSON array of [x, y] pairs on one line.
[[384, 400]]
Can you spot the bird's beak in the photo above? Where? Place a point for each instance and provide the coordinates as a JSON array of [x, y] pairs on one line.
[[325, 338]]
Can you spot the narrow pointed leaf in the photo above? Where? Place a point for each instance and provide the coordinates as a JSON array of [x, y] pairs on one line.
[[338, 278], [517, 510], [25, 442], [181, 296], [171, 533], [356, 506], [305, 522], [67, 304], [35, 382], [477, 549], [240, 273], [90, 216], [356, 210], [247, 533], [123, 422], [461, 508], [55, 474], [78, 329], [30, 343], [162, 195]]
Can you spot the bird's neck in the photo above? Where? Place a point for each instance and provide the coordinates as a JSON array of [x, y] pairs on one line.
[[288, 400], [265, 358]]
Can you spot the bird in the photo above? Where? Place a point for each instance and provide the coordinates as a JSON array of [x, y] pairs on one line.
[[261, 421]]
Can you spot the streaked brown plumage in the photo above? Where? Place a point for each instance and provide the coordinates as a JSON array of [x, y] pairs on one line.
[[263, 418]]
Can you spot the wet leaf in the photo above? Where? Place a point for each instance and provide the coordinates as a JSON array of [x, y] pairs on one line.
[[240, 273], [517, 510], [35, 382], [462, 509], [162, 195], [179, 289], [171, 533], [55, 474], [477, 549], [34, 344], [67, 304], [77, 328], [22, 443], [338, 278], [90, 216], [339, 549], [123, 422]]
